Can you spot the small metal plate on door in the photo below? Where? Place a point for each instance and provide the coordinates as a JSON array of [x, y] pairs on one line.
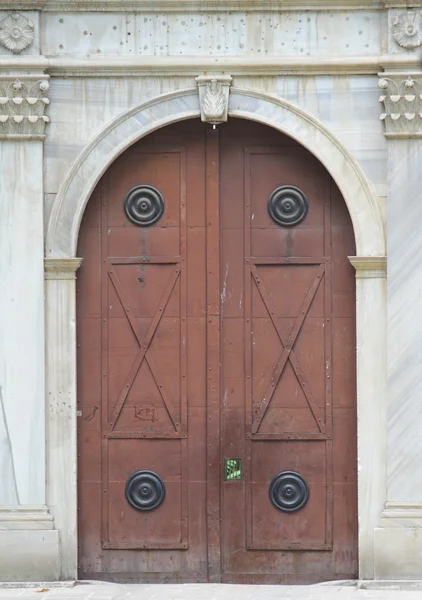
[[232, 469]]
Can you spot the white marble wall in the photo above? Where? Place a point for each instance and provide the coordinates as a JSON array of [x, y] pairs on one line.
[[22, 452], [216, 34]]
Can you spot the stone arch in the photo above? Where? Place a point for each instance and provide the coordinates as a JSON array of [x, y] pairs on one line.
[[125, 130]]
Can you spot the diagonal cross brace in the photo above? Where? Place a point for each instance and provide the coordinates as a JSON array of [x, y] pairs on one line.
[[144, 346], [288, 352]]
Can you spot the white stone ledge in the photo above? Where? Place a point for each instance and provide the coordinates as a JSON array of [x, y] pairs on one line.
[[22, 137], [402, 510], [127, 65], [25, 518], [61, 268], [22, 4], [369, 267], [403, 135], [209, 5], [199, 5]]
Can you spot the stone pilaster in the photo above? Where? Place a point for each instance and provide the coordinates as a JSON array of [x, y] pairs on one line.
[[25, 522], [371, 273], [60, 279], [402, 107]]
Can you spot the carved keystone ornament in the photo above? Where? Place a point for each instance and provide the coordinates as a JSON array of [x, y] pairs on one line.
[[16, 32], [214, 98]]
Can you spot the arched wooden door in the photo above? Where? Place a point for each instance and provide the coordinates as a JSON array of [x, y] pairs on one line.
[[216, 364]]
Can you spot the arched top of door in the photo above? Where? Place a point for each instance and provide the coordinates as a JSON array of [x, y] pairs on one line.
[[128, 128]]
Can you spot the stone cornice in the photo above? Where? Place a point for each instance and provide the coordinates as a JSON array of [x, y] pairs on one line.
[[199, 5], [208, 6], [402, 3], [136, 66], [22, 4], [369, 267], [61, 268]]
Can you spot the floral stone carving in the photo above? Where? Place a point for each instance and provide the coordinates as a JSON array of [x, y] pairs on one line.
[[407, 29], [214, 98], [16, 32], [402, 102], [22, 107]]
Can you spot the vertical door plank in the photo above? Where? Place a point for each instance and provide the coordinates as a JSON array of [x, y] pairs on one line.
[[213, 355]]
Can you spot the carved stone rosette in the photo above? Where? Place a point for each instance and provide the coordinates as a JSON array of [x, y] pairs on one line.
[[22, 107], [16, 32], [214, 97], [407, 29], [402, 101]]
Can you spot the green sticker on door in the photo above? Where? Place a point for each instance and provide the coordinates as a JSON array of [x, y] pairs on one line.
[[232, 469]]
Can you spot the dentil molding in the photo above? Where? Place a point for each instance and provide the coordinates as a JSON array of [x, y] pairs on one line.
[[22, 105], [402, 102]]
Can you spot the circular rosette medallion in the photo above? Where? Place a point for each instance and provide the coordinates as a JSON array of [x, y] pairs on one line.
[[144, 205], [287, 205], [289, 491], [145, 490]]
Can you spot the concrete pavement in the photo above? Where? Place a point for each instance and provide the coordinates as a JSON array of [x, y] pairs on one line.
[[111, 591]]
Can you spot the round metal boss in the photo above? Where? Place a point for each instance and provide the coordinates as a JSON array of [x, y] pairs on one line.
[[287, 205], [289, 491], [144, 205], [145, 490]]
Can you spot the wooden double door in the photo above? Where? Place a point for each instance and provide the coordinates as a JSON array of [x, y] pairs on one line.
[[216, 364]]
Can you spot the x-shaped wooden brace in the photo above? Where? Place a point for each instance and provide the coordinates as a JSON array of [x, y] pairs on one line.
[[288, 353], [144, 344]]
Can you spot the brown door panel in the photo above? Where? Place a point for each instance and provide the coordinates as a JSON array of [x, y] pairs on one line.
[[216, 356]]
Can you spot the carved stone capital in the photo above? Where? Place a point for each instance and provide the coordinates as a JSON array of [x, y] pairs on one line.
[[369, 267], [214, 97], [402, 102], [61, 268], [22, 106]]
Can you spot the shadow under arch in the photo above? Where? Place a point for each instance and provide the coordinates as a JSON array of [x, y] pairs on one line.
[[128, 128]]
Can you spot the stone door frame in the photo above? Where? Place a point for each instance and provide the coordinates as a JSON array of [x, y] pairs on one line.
[[61, 265]]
